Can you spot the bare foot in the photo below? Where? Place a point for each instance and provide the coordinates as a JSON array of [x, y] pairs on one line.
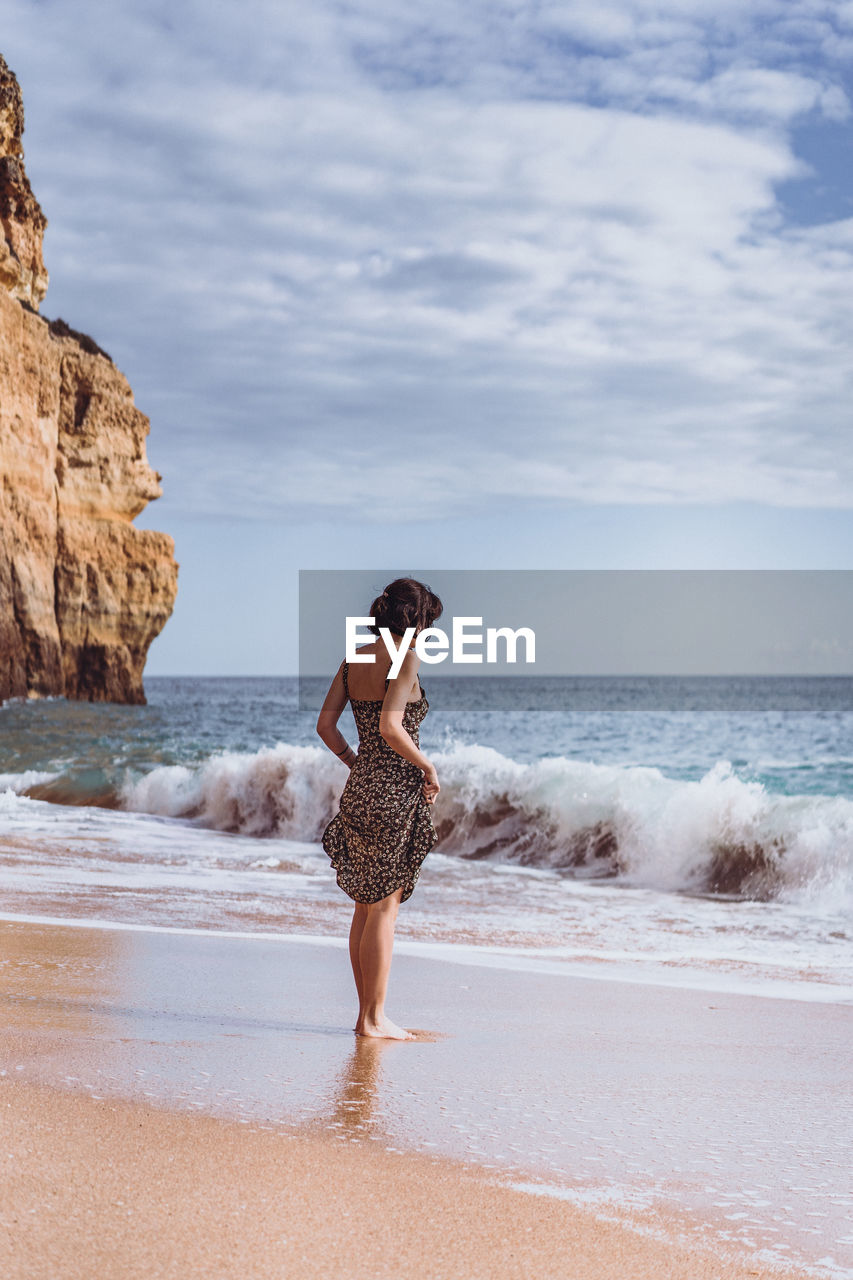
[[383, 1029]]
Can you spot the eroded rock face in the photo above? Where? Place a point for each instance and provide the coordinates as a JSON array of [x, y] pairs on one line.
[[83, 592], [22, 271]]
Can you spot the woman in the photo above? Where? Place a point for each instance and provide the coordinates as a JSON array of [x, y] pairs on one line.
[[383, 829]]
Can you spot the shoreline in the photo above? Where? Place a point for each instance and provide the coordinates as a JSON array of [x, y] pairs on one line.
[[552, 961], [651, 1108]]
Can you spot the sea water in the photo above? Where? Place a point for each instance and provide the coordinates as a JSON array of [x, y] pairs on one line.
[[684, 830]]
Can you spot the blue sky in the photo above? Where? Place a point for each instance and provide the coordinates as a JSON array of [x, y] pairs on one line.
[[496, 285]]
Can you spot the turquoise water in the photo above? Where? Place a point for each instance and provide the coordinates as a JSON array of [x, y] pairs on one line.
[[793, 735]]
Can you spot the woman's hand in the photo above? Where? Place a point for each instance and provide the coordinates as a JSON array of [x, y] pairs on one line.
[[430, 787]]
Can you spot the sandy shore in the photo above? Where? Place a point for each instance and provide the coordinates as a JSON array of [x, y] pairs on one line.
[[119, 1189], [180, 1104]]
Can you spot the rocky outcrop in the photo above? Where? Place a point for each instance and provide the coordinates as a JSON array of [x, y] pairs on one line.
[[83, 592], [22, 272]]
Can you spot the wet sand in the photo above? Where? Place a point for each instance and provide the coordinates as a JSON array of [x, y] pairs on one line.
[[196, 1104], [122, 1190]]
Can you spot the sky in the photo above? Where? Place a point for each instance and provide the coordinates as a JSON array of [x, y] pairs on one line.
[[504, 285]]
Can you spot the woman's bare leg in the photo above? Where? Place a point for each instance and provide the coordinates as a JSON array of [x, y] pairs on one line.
[[359, 919], [374, 956]]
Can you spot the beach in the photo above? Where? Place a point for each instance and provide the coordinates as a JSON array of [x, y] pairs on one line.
[[592, 263], [189, 1102], [628, 965]]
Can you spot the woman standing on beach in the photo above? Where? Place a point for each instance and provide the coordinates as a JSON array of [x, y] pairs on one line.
[[383, 829]]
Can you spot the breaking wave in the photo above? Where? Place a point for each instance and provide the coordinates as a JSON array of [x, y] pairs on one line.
[[721, 835]]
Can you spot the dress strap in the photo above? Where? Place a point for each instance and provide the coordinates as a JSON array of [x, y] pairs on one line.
[[344, 670]]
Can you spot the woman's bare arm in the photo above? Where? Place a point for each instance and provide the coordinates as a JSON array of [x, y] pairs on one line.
[[391, 724], [330, 714]]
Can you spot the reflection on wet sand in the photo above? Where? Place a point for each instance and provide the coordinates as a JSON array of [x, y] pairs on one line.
[[57, 978], [356, 1090]]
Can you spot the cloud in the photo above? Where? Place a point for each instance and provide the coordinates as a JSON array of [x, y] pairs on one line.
[[486, 253], [758, 93]]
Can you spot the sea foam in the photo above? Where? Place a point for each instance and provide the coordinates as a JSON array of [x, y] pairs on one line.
[[721, 834]]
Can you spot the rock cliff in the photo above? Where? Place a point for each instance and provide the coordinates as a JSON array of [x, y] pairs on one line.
[[83, 592]]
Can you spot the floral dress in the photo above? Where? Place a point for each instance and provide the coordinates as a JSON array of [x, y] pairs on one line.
[[383, 829]]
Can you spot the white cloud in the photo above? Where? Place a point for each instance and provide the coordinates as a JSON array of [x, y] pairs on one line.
[[744, 92], [335, 275]]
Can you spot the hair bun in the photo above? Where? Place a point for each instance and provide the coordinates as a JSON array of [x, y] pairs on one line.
[[405, 603]]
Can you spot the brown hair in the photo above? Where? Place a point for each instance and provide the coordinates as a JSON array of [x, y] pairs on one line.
[[405, 603]]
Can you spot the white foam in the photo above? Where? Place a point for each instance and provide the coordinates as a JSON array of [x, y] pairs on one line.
[[18, 782], [154, 869], [283, 790], [590, 820]]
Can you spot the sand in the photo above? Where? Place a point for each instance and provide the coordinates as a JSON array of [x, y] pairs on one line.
[[182, 1104], [117, 1189]]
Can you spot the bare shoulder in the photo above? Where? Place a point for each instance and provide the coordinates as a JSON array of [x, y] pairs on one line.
[[409, 667], [368, 649]]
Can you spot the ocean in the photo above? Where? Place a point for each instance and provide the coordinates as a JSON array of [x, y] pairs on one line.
[[693, 831]]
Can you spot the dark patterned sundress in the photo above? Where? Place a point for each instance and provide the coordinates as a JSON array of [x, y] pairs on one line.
[[383, 829]]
